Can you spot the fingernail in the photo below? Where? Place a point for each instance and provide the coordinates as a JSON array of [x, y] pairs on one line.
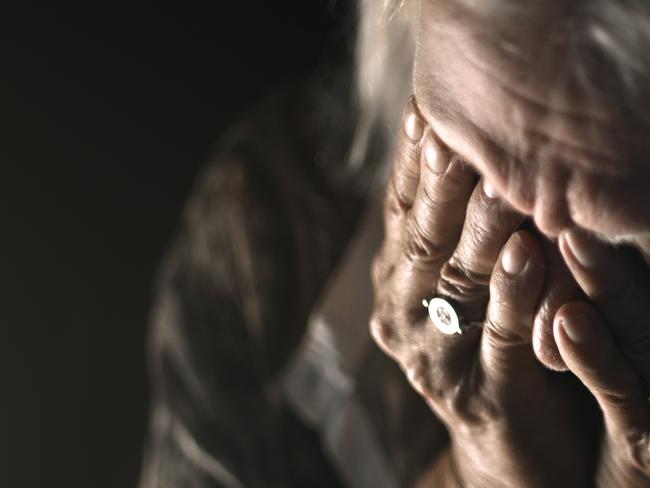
[[489, 189], [579, 328], [436, 159], [413, 126], [586, 249], [514, 256]]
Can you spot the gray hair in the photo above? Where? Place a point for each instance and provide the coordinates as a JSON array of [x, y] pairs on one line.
[[385, 53]]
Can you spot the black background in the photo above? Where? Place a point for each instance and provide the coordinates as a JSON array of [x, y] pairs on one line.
[[105, 116]]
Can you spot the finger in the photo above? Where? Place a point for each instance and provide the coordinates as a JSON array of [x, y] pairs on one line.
[[559, 288], [434, 224], [405, 174], [431, 232], [619, 287], [465, 277], [515, 287], [401, 189], [588, 349], [407, 155]]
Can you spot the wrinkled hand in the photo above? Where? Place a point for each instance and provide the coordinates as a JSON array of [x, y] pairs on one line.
[[511, 422], [607, 346]]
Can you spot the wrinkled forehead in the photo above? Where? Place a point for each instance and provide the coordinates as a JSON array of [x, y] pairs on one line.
[[531, 86], [566, 51]]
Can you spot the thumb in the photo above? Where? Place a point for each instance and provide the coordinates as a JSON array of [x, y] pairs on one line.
[[589, 351]]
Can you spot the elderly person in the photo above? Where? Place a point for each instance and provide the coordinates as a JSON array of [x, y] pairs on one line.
[[546, 101], [519, 161]]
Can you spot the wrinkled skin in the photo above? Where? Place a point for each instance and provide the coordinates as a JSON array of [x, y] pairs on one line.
[[573, 159], [446, 229], [553, 148]]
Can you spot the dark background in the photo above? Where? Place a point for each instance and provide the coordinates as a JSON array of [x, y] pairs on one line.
[[105, 116]]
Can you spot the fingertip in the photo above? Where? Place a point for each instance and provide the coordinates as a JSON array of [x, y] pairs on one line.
[[582, 340], [515, 275], [434, 155], [514, 256], [515, 286], [569, 258], [521, 255], [413, 121], [581, 249], [406, 167], [489, 190], [576, 323], [573, 329]]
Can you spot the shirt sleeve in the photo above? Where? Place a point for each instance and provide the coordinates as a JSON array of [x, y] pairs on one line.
[[224, 321]]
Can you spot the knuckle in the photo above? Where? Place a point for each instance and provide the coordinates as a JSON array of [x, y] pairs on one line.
[[508, 295], [431, 196], [420, 249], [440, 191], [501, 295], [408, 162], [480, 231], [501, 292], [456, 179], [458, 282], [398, 201], [383, 331], [502, 339], [393, 326]]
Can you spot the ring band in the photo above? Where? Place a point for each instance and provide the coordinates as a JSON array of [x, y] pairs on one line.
[[444, 316]]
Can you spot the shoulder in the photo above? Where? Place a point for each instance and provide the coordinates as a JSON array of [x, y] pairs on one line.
[[267, 220], [262, 230]]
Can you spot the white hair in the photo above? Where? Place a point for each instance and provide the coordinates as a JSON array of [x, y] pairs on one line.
[[385, 52]]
